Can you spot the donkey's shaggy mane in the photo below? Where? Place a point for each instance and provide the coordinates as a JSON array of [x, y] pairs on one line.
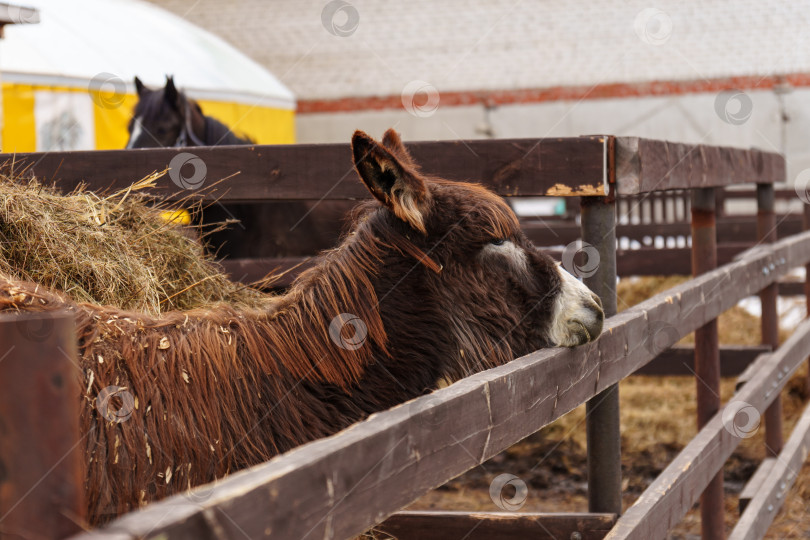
[[435, 281], [250, 369]]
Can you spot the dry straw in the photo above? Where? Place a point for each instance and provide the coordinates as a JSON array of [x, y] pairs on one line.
[[114, 250]]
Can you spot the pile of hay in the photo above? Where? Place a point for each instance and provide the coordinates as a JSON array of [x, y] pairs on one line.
[[114, 250]]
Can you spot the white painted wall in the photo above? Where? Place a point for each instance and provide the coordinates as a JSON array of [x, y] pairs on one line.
[[683, 118]]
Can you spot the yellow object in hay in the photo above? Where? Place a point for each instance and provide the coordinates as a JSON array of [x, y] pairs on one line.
[[180, 217]]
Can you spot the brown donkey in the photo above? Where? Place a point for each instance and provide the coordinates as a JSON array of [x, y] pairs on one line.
[[436, 281]]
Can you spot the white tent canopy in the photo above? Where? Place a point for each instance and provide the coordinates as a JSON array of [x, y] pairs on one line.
[[78, 41]]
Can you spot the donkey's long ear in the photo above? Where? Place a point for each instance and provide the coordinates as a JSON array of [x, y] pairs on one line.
[[393, 142], [139, 86], [391, 180]]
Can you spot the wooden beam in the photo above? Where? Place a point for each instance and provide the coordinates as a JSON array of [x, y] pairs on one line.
[[345, 484], [254, 270], [750, 193], [630, 262], [677, 488], [429, 525], [680, 360], [791, 288], [736, 229], [754, 484], [646, 165], [511, 167], [751, 371], [759, 513], [41, 458]]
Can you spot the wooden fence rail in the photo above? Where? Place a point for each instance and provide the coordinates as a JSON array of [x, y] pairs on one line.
[[678, 487], [345, 484], [396, 456], [629, 262], [431, 525], [511, 167], [763, 507]]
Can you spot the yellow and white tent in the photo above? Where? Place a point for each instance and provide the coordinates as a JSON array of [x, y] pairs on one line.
[[67, 82]]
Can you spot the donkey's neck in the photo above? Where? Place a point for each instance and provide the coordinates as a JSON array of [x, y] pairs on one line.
[[328, 327]]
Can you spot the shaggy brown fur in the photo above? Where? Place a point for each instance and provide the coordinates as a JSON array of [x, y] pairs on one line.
[[216, 390]]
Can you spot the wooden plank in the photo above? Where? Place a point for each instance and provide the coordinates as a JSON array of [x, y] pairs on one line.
[[680, 360], [737, 230], [630, 262], [342, 485], [759, 513], [660, 262], [749, 193], [646, 165], [791, 288], [255, 270], [431, 525], [755, 483], [670, 261], [41, 458], [678, 487], [751, 371], [512, 167], [323, 221]]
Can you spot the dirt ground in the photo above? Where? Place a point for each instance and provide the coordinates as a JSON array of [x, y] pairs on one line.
[[657, 421]]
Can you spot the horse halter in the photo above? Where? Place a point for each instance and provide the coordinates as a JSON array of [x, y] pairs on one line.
[[187, 136]]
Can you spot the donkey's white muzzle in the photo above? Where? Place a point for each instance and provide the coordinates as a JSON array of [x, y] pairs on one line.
[[578, 315]]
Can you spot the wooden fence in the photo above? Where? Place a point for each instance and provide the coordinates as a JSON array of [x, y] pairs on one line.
[[360, 478]]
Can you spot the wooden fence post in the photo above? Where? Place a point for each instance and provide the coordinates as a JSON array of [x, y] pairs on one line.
[[41, 467], [766, 233], [707, 355], [602, 410]]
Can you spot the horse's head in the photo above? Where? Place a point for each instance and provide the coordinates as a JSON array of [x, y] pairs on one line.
[[483, 294], [160, 116]]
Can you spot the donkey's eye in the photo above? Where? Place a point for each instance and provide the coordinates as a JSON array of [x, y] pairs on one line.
[[498, 241]]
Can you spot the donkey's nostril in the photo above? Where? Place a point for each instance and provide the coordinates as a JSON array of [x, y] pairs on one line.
[[595, 326]]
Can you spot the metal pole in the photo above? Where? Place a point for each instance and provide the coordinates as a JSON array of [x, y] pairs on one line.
[[806, 227], [707, 356], [766, 233], [602, 411], [41, 460]]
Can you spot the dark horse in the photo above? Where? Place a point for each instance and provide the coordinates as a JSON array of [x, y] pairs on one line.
[[166, 117]]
